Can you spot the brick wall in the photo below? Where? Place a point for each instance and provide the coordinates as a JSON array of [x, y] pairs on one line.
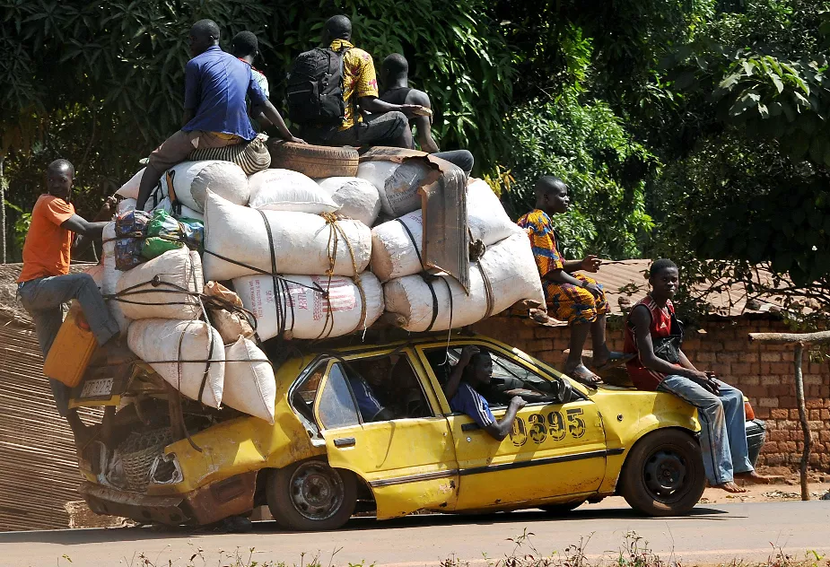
[[764, 373]]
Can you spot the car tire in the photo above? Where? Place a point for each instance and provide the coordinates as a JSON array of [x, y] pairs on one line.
[[317, 162], [311, 496], [561, 509], [663, 475]]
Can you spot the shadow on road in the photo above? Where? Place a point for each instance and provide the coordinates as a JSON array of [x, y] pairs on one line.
[[86, 536]]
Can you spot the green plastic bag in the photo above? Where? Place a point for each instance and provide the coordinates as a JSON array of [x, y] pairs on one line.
[[163, 234]]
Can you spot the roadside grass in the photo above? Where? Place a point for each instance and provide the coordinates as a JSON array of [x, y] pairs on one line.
[[634, 551]]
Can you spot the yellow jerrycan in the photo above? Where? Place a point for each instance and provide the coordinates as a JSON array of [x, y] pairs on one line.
[[72, 349]]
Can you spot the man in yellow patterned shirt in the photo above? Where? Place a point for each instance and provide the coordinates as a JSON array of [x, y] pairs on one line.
[[387, 125]]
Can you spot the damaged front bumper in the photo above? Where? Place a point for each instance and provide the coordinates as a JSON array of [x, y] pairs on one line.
[[216, 501]]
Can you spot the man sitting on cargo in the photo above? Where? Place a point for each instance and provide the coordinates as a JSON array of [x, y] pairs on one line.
[[387, 125], [45, 284], [475, 369], [395, 79], [653, 337], [571, 297], [215, 111]]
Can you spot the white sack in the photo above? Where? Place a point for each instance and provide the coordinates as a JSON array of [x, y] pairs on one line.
[[125, 206], [142, 299], [396, 183], [358, 199], [130, 189], [250, 386], [286, 190], [395, 254], [312, 315], [110, 277], [186, 212], [154, 340], [192, 179], [511, 272], [302, 242]]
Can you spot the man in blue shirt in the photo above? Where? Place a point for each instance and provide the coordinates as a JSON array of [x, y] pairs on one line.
[[215, 111], [475, 368]]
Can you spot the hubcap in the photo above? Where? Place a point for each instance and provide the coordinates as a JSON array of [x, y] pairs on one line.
[[316, 491], [665, 473]]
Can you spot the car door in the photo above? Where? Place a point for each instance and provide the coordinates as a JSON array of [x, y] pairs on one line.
[[554, 452], [408, 462]]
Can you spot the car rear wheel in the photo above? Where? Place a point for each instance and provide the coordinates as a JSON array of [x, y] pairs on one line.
[[663, 475], [310, 495], [561, 509]]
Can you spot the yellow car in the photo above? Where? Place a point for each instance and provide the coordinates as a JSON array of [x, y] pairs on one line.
[[326, 458]]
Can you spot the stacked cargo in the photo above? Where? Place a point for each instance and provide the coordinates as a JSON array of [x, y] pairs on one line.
[[283, 256]]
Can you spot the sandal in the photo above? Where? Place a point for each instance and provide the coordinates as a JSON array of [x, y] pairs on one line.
[[614, 359], [584, 376]]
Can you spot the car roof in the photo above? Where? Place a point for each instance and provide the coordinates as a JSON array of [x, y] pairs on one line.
[[356, 344]]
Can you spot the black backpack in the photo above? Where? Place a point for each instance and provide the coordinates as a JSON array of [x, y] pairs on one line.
[[315, 87]]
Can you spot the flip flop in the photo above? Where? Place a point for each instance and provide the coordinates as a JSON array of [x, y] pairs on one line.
[[584, 376], [615, 359]]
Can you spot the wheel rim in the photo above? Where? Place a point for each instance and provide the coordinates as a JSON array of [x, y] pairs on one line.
[[665, 474], [316, 491]]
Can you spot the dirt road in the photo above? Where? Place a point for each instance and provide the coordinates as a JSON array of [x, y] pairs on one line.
[[714, 533]]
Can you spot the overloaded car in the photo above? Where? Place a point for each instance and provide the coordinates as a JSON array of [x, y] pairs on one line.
[[328, 456]]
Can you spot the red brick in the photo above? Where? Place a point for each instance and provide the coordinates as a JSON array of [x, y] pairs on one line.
[[728, 357], [737, 345], [782, 368], [778, 435], [761, 413], [747, 379], [701, 356], [779, 414], [786, 402], [814, 404], [770, 356], [768, 402], [740, 368], [770, 447]]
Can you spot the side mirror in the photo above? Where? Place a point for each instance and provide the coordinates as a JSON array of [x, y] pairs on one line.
[[561, 391]]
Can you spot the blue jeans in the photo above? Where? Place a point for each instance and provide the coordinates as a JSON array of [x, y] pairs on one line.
[[723, 426], [43, 298]]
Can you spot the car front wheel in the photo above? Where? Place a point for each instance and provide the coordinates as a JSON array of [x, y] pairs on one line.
[[311, 496], [663, 475]]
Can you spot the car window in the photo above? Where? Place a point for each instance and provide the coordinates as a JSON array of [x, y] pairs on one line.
[[508, 378], [337, 407], [387, 388]]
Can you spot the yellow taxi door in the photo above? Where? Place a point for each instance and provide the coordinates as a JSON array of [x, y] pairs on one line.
[[555, 452], [408, 462]]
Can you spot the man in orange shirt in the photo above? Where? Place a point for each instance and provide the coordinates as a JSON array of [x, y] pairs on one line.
[[45, 283]]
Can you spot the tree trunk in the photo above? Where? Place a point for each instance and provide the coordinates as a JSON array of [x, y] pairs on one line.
[[802, 414]]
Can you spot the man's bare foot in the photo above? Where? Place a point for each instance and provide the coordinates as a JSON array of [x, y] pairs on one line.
[[753, 477], [731, 487]]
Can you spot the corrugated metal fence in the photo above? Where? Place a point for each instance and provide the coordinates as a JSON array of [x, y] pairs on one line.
[[38, 466]]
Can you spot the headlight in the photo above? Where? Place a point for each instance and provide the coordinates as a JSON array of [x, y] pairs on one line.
[[166, 470]]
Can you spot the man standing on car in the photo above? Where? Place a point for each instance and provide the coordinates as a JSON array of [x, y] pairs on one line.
[[654, 336], [475, 369], [45, 284], [387, 125], [215, 110]]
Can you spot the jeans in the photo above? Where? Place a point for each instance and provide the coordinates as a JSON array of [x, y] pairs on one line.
[[384, 129], [723, 426], [43, 298], [462, 158]]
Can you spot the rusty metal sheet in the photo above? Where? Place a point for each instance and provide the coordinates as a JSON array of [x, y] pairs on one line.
[[222, 499], [446, 240]]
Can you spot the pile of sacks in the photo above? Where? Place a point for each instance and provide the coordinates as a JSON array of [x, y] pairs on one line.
[[286, 256]]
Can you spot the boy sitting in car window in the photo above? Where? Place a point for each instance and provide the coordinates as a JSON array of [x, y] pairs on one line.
[[475, 370]]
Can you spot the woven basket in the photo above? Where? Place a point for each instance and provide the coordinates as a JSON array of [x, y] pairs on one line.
[[138, 451], [251, 157]]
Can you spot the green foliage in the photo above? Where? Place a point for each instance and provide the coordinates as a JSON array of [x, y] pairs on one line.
[[586, 146]]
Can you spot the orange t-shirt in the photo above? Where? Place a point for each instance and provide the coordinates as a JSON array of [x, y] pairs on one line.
[[47, 247]]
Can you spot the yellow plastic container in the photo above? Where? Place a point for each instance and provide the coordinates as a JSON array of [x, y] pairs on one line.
[[72, 350]]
